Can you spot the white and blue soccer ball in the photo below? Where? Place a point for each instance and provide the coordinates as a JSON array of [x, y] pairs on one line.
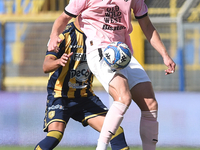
[[117, 55]]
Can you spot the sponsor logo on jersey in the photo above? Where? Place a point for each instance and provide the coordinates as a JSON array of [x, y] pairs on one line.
[[79, 57], [81, 73], [75, 46], [53, 107], [105, 108], [77, 85], [113, 15]]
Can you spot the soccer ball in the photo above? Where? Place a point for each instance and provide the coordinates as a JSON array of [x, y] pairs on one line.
[[117, 55]]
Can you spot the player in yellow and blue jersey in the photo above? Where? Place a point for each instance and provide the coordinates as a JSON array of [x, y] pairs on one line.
[[70, 93]]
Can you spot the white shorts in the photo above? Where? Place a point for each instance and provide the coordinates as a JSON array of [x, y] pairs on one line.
[[134, 72]]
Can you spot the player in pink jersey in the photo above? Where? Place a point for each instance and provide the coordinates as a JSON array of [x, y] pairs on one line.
[[105, 21]]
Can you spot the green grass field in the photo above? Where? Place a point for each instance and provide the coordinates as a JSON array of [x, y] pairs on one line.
[[93, 148]]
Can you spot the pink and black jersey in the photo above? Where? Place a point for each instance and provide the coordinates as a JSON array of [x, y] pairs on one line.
[[105, 21]]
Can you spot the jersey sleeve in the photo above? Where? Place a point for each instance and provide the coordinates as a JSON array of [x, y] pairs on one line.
[[61, 46], [75, 7], [139, 8]]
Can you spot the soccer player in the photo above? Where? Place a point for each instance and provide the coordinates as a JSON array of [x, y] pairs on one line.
[[105, 21], [70, 93]]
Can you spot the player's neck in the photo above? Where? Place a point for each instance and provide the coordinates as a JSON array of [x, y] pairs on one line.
[[77, 23]]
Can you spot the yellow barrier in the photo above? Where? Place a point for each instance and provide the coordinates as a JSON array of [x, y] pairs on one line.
[[137, 40], [34, 81]]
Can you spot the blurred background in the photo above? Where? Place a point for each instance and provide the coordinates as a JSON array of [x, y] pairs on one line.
[[25, 26]]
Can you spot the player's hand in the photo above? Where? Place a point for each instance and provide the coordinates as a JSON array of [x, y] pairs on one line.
[[170, 64], [64, 58], [53, 44]]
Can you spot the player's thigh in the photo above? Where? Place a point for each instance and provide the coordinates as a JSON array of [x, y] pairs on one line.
[[89, 108], [96, 122], [58, 126], [58, 112], [144, 96], [119, 89]]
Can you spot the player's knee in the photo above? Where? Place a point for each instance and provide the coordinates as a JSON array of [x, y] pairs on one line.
[[120, 94], [125, 98], [152, 104]]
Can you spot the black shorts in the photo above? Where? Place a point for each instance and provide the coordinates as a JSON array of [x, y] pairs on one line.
[[80, 109]]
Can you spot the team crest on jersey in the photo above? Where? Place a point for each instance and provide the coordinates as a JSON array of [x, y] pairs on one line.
[[68, 26], [51, 114]]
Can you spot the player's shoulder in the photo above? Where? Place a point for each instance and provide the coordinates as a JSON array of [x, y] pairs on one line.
[[69, 28]]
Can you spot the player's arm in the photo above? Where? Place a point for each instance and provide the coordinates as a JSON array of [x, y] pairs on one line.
[[154, 38], [51, 63], [58, 27]]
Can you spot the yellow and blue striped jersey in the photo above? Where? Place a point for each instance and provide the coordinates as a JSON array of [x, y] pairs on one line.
[[75, 78]]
